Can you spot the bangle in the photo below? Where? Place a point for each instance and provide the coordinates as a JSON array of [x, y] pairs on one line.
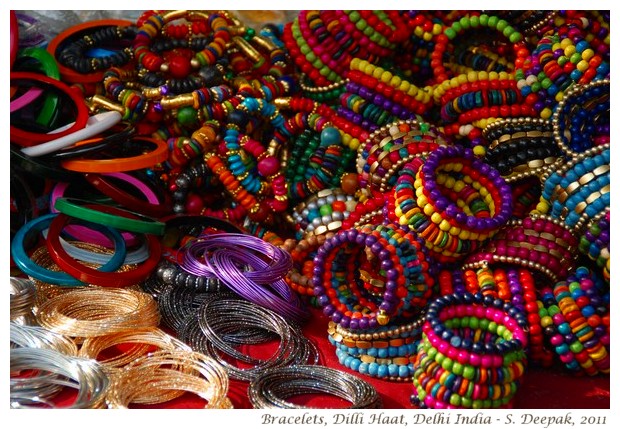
[[217, 330], [96, 124], [158, 154], [322, 213], [58, 44], [222, 254], [27, 138], [150, 208], [143, 339], [108, 215], [274, 386], [166, 374], [29, 267], [14, 38], [54, 370], [92, 312], [49, 111], [23, 295], [117, 135], [91, 276], [33, 336], [44, 169]]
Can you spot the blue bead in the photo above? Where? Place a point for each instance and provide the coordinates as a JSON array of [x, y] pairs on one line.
[[372, 352], [355, 364], [382, 352], [363, 368], [403, 371], [382, 371], [393, 370], [373, 367], [330, 136]]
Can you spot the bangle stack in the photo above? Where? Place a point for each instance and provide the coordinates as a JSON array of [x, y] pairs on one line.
[[362, 282], [274, 387], [322, 213], [453, 201], [471, 354]]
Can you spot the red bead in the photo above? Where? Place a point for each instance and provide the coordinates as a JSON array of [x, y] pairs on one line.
[[179, 66]]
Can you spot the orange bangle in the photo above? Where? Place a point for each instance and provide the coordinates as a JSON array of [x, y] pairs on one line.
[[118, 165], [71, 76]]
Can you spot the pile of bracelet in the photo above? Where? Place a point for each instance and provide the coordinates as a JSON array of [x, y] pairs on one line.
[[197, 195], [471, 354]]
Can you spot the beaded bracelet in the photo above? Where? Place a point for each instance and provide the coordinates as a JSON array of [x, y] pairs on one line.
[[322, 213], [452, 229], [557, 62], [595, 241], [537, 242], [459, 336], [458, 27], [581, 118], [299, 278], [520, 147], [579, 189], [567, 345], [387, 149], [406, 285]]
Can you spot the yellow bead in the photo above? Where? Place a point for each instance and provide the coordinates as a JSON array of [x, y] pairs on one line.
[[395, 81], [458, 186], [559, 96], [369, 69], [435, 217], [404, 86], [437, 29], [444, 225], [599, 354], [472, 76], [418, 31], [422, 201], [454, 231], [403, 220], [354, 144], [503, 75], [565, 43], [386, 77], [377, 73], [569, 50], [587, 54], [427, 37], [428, 210], [480, 150], [546, 113], [464, 235], [355, 63], [461, 79], [493, 75], [582, 66], [556, 46], [542, 207]]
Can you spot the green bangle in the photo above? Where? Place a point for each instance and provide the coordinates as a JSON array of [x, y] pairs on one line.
[[47, 64], [110, 216]]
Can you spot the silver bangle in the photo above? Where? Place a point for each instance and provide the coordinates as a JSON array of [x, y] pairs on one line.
[[273, 387], [41, 338], [55, 372]]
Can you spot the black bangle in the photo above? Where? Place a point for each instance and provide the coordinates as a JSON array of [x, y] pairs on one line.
[[48, 169], [121, 133]]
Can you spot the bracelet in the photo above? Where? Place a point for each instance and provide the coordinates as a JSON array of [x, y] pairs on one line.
[[92, 312], [14, 38], [322, 213], [216, 332], [224, 253], [274, 386], [55, 370], [117, 135], [27, 138], [32, 336], [45, 169], [108, 215], [59, 43], [95, 125], [29, 267], [91, 276], [165, 374], [143, 339], [152, 207], [142, 160], [23, 295]]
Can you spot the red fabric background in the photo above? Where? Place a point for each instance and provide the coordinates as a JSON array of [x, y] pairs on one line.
[[552, 388]]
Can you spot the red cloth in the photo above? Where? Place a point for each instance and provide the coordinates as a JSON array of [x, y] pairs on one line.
[[551, 388]]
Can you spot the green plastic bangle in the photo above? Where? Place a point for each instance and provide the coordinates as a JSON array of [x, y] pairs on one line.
[[47, 64], [111, 216]]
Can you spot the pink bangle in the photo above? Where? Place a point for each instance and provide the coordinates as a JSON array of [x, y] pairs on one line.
[[82, 233], [25, 99]]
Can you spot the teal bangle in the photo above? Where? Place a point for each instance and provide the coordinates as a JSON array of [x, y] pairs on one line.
[[30, 268], [110, 216]]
